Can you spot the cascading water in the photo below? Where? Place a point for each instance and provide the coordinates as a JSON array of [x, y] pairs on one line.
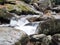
[[24, 24]]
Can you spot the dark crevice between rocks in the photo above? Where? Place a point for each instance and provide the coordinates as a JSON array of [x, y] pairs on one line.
[[26, 1], [10, 2], [23, 12], [2, 3], [56, 10], [5, 2], [34, 19], [4, 20]]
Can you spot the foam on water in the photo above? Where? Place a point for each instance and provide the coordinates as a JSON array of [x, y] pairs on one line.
[[25, 25]]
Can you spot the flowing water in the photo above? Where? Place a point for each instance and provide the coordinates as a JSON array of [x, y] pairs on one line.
[[23, 24]]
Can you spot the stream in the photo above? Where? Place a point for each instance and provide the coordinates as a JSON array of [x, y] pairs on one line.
[[23, 24]]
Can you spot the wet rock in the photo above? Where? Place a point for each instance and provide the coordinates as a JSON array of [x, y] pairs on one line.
[[49, 26], [11, 36], [43, 4], [5, 14], [46, 40], [27, 9], [33, 19], [41, 39], [56, 39], [4, 21], [56, 9], [37, 37]]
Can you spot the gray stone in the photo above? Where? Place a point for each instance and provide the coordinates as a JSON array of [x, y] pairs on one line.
[[11, 36], [56, 39], [44, 4], [49, 26], [46, 40]]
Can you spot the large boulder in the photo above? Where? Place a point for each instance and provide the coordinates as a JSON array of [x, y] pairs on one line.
[[49, 26], [11, 36], [56, 39], [41, 39], [46, 40], [44, 4], [21, 7]]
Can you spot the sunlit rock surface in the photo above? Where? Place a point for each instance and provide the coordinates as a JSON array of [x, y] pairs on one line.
[[11, 36], [18, 7], [21, 7]]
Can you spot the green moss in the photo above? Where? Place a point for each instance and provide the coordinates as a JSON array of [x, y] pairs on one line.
[[23, 7], [9, 7], [1, 0], [2, 13]]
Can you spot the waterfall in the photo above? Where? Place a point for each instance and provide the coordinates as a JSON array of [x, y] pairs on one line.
[[25, 25]]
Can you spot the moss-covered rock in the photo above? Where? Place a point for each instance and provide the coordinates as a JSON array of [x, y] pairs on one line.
[[44, 4], [20, 8], [5, 14], [25, 7], [49, 26], [1, 0], [55, 39], [9, 7]]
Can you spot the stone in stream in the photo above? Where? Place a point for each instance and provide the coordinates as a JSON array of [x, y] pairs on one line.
[[41, 39], [46, 40], [33, 19], [41, 5], [56, 39], [37, 37], [11, 36], [49, 26]]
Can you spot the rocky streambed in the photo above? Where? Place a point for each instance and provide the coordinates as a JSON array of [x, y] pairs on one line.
[[39, 30], [29, 22]]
